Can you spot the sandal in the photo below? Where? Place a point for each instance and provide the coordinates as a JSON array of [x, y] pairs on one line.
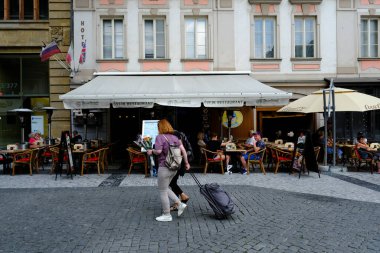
[[174, 207]]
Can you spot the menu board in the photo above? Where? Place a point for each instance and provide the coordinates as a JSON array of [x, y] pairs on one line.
[[149, 128]]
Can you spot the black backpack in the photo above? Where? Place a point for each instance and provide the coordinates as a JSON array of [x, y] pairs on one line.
[[186, 145]]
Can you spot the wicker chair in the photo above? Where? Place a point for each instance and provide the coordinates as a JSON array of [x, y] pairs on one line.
[[261, 154], [209, 159], [27, 158], [94, 158], [137, 158]]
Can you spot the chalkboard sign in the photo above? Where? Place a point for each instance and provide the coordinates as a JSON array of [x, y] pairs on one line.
[[63, 147]]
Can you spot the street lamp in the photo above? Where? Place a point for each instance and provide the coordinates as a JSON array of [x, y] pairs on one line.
[[22, 113], [49, 110]]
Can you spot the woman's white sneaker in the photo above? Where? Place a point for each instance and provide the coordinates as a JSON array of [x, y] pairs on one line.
[[164, 217], [181, 208]]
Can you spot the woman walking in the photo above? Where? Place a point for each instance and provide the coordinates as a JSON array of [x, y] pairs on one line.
[[165, 175]]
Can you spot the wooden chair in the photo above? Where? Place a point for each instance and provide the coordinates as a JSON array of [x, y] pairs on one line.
[[209, 159], [368, 162], [93, 158], [137, 158], [26, 158], [316, 152], [251, 155], [104, 161], [282, 157]]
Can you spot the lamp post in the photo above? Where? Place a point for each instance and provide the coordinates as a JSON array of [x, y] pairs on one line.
[[49, 111], [22, 113]]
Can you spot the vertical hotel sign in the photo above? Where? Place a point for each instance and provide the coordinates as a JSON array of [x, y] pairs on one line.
[[82, 57]]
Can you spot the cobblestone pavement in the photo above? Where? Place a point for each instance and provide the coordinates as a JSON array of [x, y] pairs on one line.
[[115, 213]]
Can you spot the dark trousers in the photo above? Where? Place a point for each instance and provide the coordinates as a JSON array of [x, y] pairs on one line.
[[173, 184]]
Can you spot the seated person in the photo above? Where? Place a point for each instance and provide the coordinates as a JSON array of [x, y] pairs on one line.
[[258, 145], [76, 137], [330, 147], [363, 149], [301, 140], [249, 142], [35, 138], [215, 145], [201, 143]]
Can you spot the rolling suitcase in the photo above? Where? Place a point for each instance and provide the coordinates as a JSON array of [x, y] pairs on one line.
[[218, 199]]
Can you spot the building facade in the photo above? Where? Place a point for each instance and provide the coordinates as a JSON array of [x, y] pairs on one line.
[[358, 62], [287, 44], [25, 81]]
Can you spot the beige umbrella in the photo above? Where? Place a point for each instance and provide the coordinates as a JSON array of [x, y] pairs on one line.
[[346, 100]]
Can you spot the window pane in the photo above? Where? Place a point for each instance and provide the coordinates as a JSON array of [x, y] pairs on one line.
[[259, 38], [373, 51], [310, 51], [364, 50], [119, 38], [364, 25], [201, 25], [28, 9], [107, 39], [269, 38], [298, 51], [190, 38], [190, 52], [298, 25], [189, 25], [13, 9], [44, 9], [149, 49], [160, 39], [1, 11]]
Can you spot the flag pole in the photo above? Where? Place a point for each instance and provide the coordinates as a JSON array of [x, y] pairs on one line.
[[61, 63]]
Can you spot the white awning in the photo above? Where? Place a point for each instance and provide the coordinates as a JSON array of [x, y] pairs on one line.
[[127, 90]]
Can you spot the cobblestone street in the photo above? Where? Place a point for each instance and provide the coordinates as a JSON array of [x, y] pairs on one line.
[[86, 218]]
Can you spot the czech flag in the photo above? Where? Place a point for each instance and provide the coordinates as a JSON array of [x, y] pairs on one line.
[[49, 51]]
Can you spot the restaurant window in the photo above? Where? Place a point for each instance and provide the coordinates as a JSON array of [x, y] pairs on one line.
[[113, 39], [24, 10], [305, 37], [196, 38], [154, 38], [265, 37], [369, 37]]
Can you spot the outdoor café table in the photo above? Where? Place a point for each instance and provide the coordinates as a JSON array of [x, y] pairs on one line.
[[78, 157]]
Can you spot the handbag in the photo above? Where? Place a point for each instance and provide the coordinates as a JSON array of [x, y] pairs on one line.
[[173, 158]]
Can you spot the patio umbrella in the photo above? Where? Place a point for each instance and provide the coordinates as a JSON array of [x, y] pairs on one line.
[[346, 100], [340, 100]]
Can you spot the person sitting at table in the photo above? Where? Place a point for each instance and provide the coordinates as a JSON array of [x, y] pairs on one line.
[[34, 138], [248, 144], [215, 145], [76, 137], [258, 145], [330, 148], [363, 149]]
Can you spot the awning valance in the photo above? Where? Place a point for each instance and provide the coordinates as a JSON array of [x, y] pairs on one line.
[[183, 90]]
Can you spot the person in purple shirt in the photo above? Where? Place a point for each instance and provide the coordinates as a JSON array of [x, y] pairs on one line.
[[165, 175]]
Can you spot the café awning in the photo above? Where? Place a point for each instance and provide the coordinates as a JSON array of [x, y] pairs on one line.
[[212, 89]]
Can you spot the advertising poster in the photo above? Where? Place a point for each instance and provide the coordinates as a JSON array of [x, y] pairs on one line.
[[38, 124], [149, 128]]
